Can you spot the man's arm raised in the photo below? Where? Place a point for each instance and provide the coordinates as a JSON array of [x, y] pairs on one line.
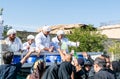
[[26, 57]]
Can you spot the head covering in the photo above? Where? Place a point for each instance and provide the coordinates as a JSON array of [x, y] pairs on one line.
[[81, 61], [11, 31], [30, 37], [46, 28], [87, 63], [60, 32]]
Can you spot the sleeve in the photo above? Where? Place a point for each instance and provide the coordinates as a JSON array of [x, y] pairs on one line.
[[18, 66], [20, 43], [55, 44], [38, 42], [69, 43], [24, 46]]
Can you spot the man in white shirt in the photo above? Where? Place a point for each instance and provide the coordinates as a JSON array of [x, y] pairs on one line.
[[42, 40], [30, 44], [14, 43], [61, 42]]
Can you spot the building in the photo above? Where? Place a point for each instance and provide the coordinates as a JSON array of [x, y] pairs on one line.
[[111, 31]]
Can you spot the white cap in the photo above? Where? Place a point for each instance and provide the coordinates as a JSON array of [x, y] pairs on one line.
[[46, 28], [30, 37], [11, 31], [60, 32]]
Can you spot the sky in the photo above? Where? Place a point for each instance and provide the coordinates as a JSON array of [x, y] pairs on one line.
[[31, 14]]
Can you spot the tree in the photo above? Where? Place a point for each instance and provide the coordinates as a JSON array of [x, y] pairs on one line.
[[114, 50], [90, 39]]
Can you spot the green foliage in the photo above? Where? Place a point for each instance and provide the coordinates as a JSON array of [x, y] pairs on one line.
[[114, 50], [115, 47], [90, 39]]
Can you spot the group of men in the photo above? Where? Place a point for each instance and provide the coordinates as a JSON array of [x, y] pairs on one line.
[[40, 43], [98, 69]]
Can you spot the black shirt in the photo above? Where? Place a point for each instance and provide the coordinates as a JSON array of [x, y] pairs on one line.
[[91, 73], [80, 74], [103, 74], [51, 72], [9, 71], [65, 70]]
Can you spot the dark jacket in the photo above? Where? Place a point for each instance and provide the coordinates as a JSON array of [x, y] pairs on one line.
[[103, 74], [51, 72], [65, 70], [118, 75], [91, 73], [80, 74]]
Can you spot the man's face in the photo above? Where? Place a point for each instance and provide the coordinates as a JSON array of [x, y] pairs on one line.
[[61, 36], [12, 36], [87, 68], [96, 67], [46, 32], [31, 41], [108, 62]]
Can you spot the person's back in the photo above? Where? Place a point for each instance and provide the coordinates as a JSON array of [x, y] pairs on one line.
[[103, 74], [100, 69], [65, 70], [9, 71], [118, 75], [115, 66], [51, 72], [91, 73]]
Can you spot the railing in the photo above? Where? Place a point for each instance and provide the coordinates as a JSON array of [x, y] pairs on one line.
[[49, 58]]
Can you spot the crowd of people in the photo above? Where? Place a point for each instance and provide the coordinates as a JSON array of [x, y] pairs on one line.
[[70, 68]]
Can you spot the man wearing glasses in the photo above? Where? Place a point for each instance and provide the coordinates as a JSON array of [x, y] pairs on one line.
[[14, 43]]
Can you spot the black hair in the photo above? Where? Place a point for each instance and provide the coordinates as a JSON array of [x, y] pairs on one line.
[[105, 56], [100, 62], [87, 63], [116, 66], [7, 57]]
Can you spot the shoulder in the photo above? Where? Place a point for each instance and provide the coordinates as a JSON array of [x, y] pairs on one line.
[[103, 74], [1, 67], [39, 35], [66, 64], [6, 39], [65, 39], [18, 65], [18, 39], [54, 38], [7, 66]]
